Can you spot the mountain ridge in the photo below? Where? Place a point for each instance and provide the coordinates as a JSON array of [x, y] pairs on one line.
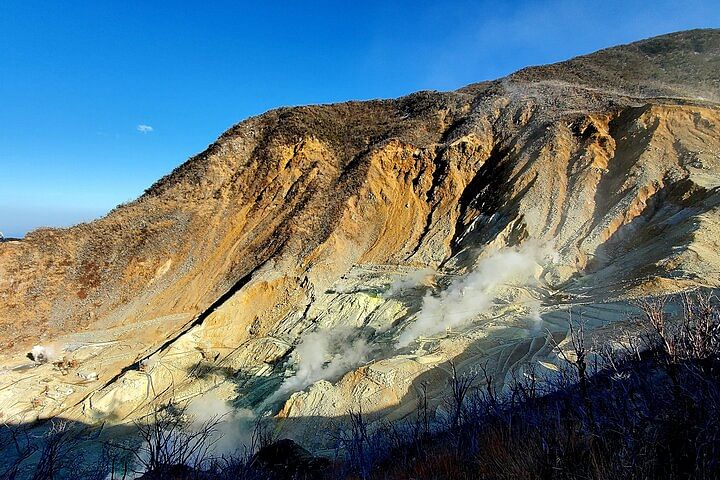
[[527, 74]]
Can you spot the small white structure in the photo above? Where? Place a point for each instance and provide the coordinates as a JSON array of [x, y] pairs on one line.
[[39, 354]]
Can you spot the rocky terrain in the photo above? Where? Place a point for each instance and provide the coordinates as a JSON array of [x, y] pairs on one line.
[[318, 258]]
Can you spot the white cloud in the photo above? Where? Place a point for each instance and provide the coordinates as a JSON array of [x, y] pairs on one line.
[[142, 128]]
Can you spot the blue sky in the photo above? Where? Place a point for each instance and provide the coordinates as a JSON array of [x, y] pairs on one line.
[[99, 99]]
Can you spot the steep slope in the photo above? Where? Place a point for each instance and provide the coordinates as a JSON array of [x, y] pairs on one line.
[[348, 220]]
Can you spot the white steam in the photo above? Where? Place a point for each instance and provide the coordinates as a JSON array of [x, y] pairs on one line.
[[476, 292], [410, 281], [43, 353], [234, 432], [321, 355]]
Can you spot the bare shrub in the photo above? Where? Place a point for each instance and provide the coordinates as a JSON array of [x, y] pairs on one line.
[[357, 443], [579, 358], [171, 443], [16, 447], [460, 386], [63, 453], [692, 335]]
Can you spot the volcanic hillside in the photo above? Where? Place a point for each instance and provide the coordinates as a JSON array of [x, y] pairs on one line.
[[393, 235]]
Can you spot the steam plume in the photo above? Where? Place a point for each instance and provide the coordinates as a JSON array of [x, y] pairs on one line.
[[235, 429], [321, 355], [475, 292]]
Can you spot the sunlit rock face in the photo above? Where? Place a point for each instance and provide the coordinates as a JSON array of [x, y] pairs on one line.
[[315, 260]]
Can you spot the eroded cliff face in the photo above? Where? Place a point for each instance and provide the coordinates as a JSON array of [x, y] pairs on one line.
[[348, 221]]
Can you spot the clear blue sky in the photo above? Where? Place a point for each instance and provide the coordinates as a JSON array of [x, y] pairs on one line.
[[79, 80]]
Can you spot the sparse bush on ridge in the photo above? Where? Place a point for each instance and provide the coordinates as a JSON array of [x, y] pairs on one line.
[[649, 408]]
